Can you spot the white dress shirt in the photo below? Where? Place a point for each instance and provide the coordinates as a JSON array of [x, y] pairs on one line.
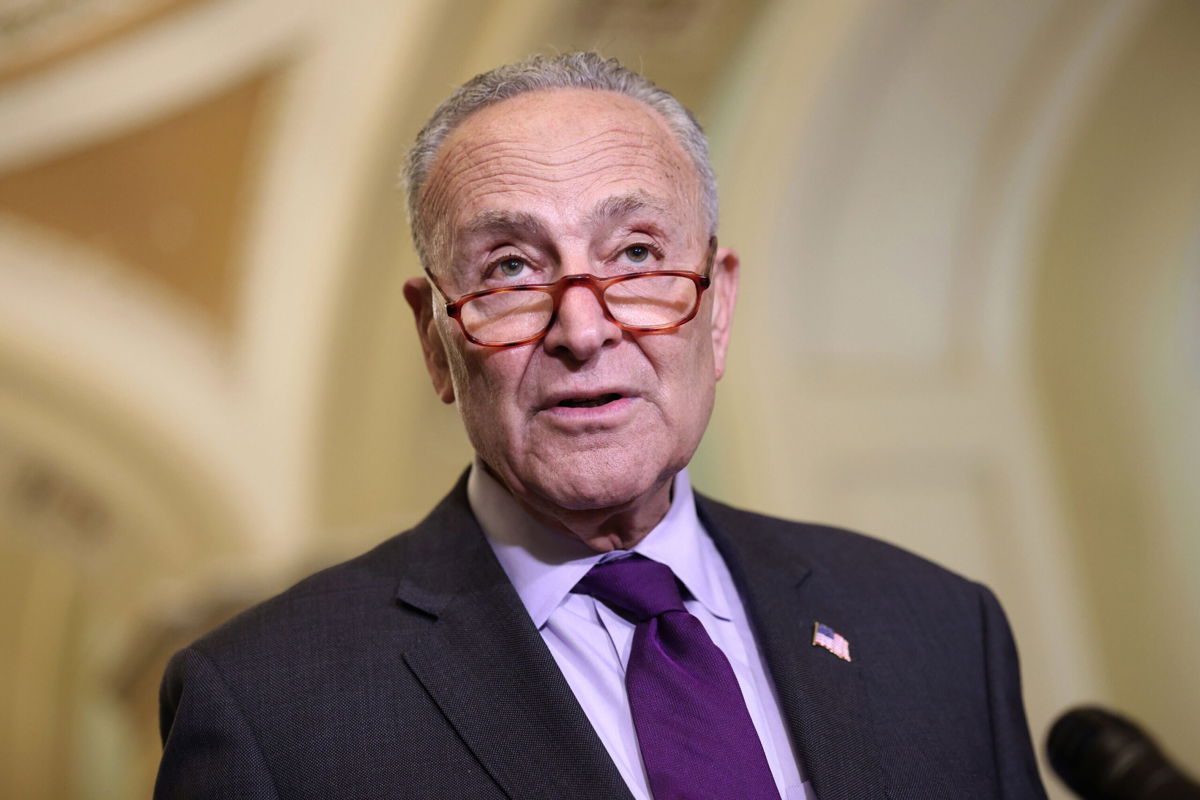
[[591, 643]]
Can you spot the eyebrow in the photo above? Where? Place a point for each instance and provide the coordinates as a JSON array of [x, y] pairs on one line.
[[498, 221], [625, 205]]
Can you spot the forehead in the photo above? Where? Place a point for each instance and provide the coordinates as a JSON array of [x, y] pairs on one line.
[[561, 155]]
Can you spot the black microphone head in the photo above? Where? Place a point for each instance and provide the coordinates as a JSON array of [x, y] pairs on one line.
[[1103, 756]]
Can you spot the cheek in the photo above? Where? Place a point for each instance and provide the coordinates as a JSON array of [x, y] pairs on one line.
[[686, 378], [701, 379], [460, 373], [479, 405], [485, 383], [697, 361]]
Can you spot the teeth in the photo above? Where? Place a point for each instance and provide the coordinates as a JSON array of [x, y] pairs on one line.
[[591, 402]]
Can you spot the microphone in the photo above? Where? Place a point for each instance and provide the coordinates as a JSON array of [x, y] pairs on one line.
[[1103, 756]]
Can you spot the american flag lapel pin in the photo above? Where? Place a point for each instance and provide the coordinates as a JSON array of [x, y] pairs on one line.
[[825, 636]]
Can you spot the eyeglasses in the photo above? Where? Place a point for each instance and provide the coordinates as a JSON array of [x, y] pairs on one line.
[[642, 302]]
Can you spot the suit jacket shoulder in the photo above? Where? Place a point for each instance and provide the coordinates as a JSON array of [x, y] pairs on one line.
[[412, 671], [930, 703]]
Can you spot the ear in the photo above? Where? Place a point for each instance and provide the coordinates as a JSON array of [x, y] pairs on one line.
[[418, 293], [724, 292]]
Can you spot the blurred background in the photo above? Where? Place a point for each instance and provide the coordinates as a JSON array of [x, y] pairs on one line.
[[969, 323]]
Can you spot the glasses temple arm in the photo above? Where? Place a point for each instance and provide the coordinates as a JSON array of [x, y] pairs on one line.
[[438, 287]]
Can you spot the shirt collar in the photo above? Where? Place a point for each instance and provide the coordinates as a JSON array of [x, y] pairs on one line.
[[545, 564]]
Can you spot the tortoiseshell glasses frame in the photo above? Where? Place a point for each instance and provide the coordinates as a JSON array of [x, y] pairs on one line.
[[598, 286]]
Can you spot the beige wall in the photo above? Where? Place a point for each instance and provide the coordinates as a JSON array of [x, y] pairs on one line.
[[969, 322], [1116, 309]]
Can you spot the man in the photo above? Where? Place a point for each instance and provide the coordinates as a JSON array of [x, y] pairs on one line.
[[572, 621]]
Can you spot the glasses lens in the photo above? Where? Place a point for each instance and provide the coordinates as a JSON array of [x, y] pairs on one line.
[[649, 301], [507, 316]]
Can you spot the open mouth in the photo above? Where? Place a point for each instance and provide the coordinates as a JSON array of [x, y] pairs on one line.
[[589, 402]]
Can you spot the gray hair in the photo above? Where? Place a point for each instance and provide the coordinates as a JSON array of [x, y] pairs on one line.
[[582, 70]]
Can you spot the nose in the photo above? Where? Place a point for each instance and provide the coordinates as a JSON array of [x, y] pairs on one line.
[[580, 328]]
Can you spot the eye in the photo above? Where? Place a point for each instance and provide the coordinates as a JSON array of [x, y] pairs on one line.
[[510, 267], [637, 253]]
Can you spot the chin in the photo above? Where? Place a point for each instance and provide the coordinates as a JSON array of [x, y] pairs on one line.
[[593, 480]]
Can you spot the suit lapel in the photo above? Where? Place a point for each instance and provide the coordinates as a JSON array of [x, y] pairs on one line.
[[823, 698], [488, 670]]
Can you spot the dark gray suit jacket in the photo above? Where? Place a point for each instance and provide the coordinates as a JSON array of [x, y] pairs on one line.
[[414, 671]]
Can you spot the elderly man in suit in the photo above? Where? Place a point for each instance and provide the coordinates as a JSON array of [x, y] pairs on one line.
[[573, 621]]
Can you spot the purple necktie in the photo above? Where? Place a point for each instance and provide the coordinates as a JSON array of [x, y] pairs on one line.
[[695, 734]]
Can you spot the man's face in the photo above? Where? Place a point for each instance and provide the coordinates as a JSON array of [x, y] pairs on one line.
[[554, 183]]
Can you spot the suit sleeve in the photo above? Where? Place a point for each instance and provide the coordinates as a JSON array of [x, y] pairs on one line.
[[1016, 766], [209, 747]]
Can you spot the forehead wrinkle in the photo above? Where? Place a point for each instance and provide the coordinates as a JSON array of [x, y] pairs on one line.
[[468, 146], [610, 149], [529, 177], [475, 152], [593, 145]]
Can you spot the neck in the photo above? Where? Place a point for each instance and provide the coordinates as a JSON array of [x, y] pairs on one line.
[[602, 529]]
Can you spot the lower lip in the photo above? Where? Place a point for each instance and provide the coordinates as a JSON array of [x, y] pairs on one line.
[[609, 413]]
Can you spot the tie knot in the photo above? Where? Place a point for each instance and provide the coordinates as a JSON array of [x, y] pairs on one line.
[[637, 585]]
